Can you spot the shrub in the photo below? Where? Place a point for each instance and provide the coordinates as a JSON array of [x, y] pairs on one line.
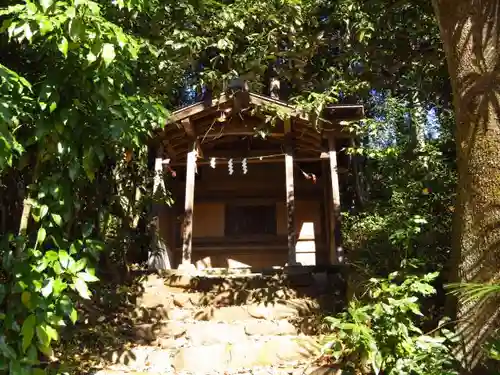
[[380, 333]]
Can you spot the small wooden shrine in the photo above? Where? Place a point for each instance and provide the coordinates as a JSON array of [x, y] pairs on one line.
[[249, 200]]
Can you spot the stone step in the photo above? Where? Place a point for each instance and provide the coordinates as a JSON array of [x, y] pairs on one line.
[[233, 297], [273, 311], [224, 293], [206, 280], [266, 370], [245, 354], [157, 292], [140, 358], [276, 351], [276, 311], [205, 333]]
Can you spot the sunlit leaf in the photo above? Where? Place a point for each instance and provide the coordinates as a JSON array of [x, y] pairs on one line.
[[64, 259], [47, 289], [28, 331], [78, 266], [42, 234], [57, 219], [43, 211], [63, 46], [46, 4], [108, 53], [73, 315], [81, 287], [87, 277], [42, 335]]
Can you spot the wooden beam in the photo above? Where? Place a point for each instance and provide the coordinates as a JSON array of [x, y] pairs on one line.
[[348, 112], [278, 153], [263, 161], [196, 108], [191, 132], [160, 256], [336, 251], [187, 228], [158, 183], [221, 130], [290, 194], [327, 228], [172, 154]]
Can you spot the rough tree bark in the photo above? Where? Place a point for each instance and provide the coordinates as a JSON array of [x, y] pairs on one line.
[[470, 34]]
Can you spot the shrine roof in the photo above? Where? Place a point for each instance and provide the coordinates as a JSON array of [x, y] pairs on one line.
[[336, 112], [233, 121]]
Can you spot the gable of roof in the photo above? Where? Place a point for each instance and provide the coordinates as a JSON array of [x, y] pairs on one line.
[[347, 112]]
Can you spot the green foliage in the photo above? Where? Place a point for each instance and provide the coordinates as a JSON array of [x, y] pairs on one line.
[[476, 293], [14, 109], [37, 297], [407, 196], [69, 108], [380, 334]]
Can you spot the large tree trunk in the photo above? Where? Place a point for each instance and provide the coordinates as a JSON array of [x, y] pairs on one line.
[[471, 37]]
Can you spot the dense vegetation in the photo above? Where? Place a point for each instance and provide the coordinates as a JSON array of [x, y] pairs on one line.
[[84, 85]]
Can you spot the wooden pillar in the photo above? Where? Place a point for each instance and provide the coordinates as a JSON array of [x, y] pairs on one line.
[[290, 195], [160, 257], [187, 228], [336, 251], [327, 229]]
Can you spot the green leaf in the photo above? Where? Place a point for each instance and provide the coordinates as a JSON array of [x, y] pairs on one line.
[[52, 332], [46, 4], [88, 163], [63, 46], [26, 299], [87, 277], [42, 335], [32, 354], [6, 349], [27, 31], [48, 288], [81, 287], [57, 268], [43, 211], [42, 233], [56, 218], [78, 266], [76, 28], [56, 321], [45, 26], [73, 315], [59, 286], [108, 53], [32, 8], [64, 259], [18, 368], [51, 256], [38, 371], [45, 349], [91, 57], [28, 331]]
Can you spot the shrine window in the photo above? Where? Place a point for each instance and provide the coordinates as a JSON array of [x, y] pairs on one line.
[[250, 220]]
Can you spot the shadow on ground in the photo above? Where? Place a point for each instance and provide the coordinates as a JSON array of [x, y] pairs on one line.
[[106, 331]]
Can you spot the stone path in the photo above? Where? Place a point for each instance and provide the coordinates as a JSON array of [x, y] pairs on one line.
[[216, 326]]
